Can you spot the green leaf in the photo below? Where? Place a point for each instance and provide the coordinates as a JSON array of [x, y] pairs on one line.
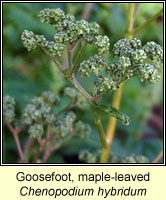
[[111, 111]]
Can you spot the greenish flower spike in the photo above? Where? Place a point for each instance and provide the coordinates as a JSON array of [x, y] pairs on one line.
[[31, 41], [51, 16], [41, 109], [8, 108], [82, 129], [50, 98], [68, 32], [154, 51], [134, 60], [65, 127], [114, 158], [104, 84], [92, 65], [36, 130], [102, 42]]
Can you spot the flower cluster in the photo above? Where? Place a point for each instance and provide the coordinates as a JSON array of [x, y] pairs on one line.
[[39, 112], [76, 97], [136, 60], [68, 125], [129, 159], [31, 41], [153, 51], [102, 42], [105, 83], [133, 60], [8, 108], [68, 32], [83, 129], [65, 126], [88, 157], [94, 157], [92, 65], [36, 130]]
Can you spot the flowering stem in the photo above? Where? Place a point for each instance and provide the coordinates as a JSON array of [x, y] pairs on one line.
[[15, 133], [117, 94], [147, 22]]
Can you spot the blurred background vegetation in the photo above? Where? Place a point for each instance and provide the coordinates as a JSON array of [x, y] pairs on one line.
[[27, 74]]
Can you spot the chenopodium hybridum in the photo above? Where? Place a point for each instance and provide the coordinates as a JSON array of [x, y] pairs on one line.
[[132, 58]]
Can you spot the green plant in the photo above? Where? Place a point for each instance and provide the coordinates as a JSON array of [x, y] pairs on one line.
[[132, 60]]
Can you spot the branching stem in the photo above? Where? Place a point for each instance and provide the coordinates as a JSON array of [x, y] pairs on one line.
[[147, 22], [118, 93], [15, 133]]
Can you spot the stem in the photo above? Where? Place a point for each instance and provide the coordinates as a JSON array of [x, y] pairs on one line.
[[101, 135], [28, 145], [70, 58], [87, 11], [37, 153], [130, 21], [19, 148], [147, 22], [100, 129], [158, 158], [118, 93], [54, 59], [58, 64], [15, 133], [58, 146], [47, 150], [78, 58]]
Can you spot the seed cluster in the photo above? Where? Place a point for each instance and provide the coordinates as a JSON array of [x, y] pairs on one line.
[[133, 60], [93, 157], [68, 32], [31, 41], [40, 112], [129, 159], [65, 126], [83, 129], [8, 108]]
